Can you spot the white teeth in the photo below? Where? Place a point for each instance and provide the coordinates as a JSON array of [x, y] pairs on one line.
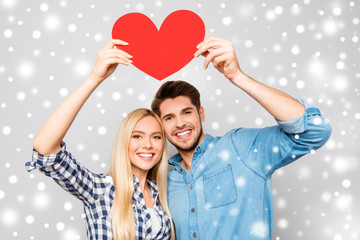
[[183, 133], [145, 155]]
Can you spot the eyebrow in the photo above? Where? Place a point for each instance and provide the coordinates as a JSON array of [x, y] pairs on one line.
[[138, 131], [182, 110]]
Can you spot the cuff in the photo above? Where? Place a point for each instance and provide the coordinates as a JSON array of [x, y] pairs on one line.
[[299, 125], [40, 161]]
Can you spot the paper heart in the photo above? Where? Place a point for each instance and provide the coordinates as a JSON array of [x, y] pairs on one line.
[[160, 53]]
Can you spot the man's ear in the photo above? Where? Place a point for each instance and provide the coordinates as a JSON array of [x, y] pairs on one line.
[[202, 114]]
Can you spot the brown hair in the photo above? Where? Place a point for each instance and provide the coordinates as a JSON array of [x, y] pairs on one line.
[[173, 89]]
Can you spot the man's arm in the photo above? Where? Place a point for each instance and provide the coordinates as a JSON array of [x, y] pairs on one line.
[[221, 53]]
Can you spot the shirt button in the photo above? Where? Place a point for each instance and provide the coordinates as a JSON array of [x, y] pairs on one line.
[[180, 170], [194, 235], [193, 209], [190, 187]]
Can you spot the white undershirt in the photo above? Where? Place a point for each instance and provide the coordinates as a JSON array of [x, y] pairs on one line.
[[155, 222]]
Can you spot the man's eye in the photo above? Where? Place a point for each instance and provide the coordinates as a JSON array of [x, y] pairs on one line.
[[188, 112], [168, 118]]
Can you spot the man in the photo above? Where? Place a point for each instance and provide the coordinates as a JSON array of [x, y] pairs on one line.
[[220, 187]]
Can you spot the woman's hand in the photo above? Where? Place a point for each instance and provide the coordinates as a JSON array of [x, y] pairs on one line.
[[108, 59]]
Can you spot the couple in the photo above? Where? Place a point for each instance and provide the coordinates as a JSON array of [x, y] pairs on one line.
[[219, 188]]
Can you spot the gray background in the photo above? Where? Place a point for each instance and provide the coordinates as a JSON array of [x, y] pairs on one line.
[[309, 49]]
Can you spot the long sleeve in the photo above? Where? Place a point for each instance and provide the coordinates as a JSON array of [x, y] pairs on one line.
[[270, 148], [70, 174]]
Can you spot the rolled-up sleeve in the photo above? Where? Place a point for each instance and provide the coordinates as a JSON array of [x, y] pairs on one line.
[[70, 174], [270, 148]]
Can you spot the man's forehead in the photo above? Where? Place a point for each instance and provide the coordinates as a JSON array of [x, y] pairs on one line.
[[173, 105]]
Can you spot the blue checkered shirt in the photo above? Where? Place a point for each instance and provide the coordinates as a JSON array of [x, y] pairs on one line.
[[96, 191]]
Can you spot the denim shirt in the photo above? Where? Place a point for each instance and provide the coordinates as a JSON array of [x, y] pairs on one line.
[[227, 192]]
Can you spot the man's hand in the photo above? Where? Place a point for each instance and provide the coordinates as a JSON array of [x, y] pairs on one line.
[[221, 53]]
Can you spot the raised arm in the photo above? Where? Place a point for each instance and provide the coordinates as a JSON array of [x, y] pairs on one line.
[[51, 134], [221, 53]]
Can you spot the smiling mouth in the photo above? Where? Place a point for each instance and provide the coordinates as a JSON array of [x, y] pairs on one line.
[[184, 134], [146, 156]]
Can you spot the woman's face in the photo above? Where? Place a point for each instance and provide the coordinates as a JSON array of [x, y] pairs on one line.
[[146, 145]]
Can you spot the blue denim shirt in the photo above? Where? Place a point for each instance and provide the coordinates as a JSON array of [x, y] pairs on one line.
[[227, 192]]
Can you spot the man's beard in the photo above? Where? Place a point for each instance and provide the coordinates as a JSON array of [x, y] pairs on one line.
[[193, 146]]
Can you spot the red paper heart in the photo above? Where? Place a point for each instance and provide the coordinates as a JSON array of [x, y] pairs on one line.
[[160, 53]]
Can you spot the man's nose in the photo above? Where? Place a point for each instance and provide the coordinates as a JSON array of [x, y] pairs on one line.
[[180, 122]]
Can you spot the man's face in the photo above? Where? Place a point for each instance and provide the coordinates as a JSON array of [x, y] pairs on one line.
[[182, 122]]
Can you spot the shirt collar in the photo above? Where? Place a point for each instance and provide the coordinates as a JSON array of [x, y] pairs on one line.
[[137, 190], [200, 149]]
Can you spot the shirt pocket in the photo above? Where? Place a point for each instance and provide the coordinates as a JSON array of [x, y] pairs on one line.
[[219, 188]]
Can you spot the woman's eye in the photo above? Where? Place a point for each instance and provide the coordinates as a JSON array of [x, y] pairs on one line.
[[157, 137], [136, 136]]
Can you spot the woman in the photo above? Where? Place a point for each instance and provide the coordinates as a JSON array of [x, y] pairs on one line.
[[130, 202]]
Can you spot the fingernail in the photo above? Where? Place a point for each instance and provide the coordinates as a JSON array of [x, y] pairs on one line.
[[198, 45]]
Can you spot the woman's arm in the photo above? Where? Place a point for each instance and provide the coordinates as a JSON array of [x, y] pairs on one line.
[[51, 134]]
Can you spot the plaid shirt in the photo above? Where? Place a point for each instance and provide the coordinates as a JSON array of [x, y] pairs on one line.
[[96, 191]]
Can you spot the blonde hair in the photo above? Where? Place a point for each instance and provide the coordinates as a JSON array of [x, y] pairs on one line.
[[123, 222]]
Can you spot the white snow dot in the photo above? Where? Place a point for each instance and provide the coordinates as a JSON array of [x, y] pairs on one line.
[[283, 223], [8, 33], [36, 34], [234, 211], [300, 29], [41, 186], [82, 68], [346, 183], [248, 43], [95, 157], [259, 121], [227, 20], [338, 237], [283, 81], [340, 65], [6, 130], [240, 181], [72, 28], [295, 50], [355, 39], [52, 22], [275, 149], [356, 21], [300, 84], [29, 219], [63, 92], [67, 206], [46, 104], [102, 130], [215, 125], [9, 217], [44, 7], [270, 15], [41, 200], [218, 91], [337, 11], [279, 10], [13, 179], [2, 194], [26, 69], [258, 229], [330, 27], [98, 37], [21, 96], [142, 97], [116, 96], [9, 3], [255, 63], [139, 7], [60, 226]]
